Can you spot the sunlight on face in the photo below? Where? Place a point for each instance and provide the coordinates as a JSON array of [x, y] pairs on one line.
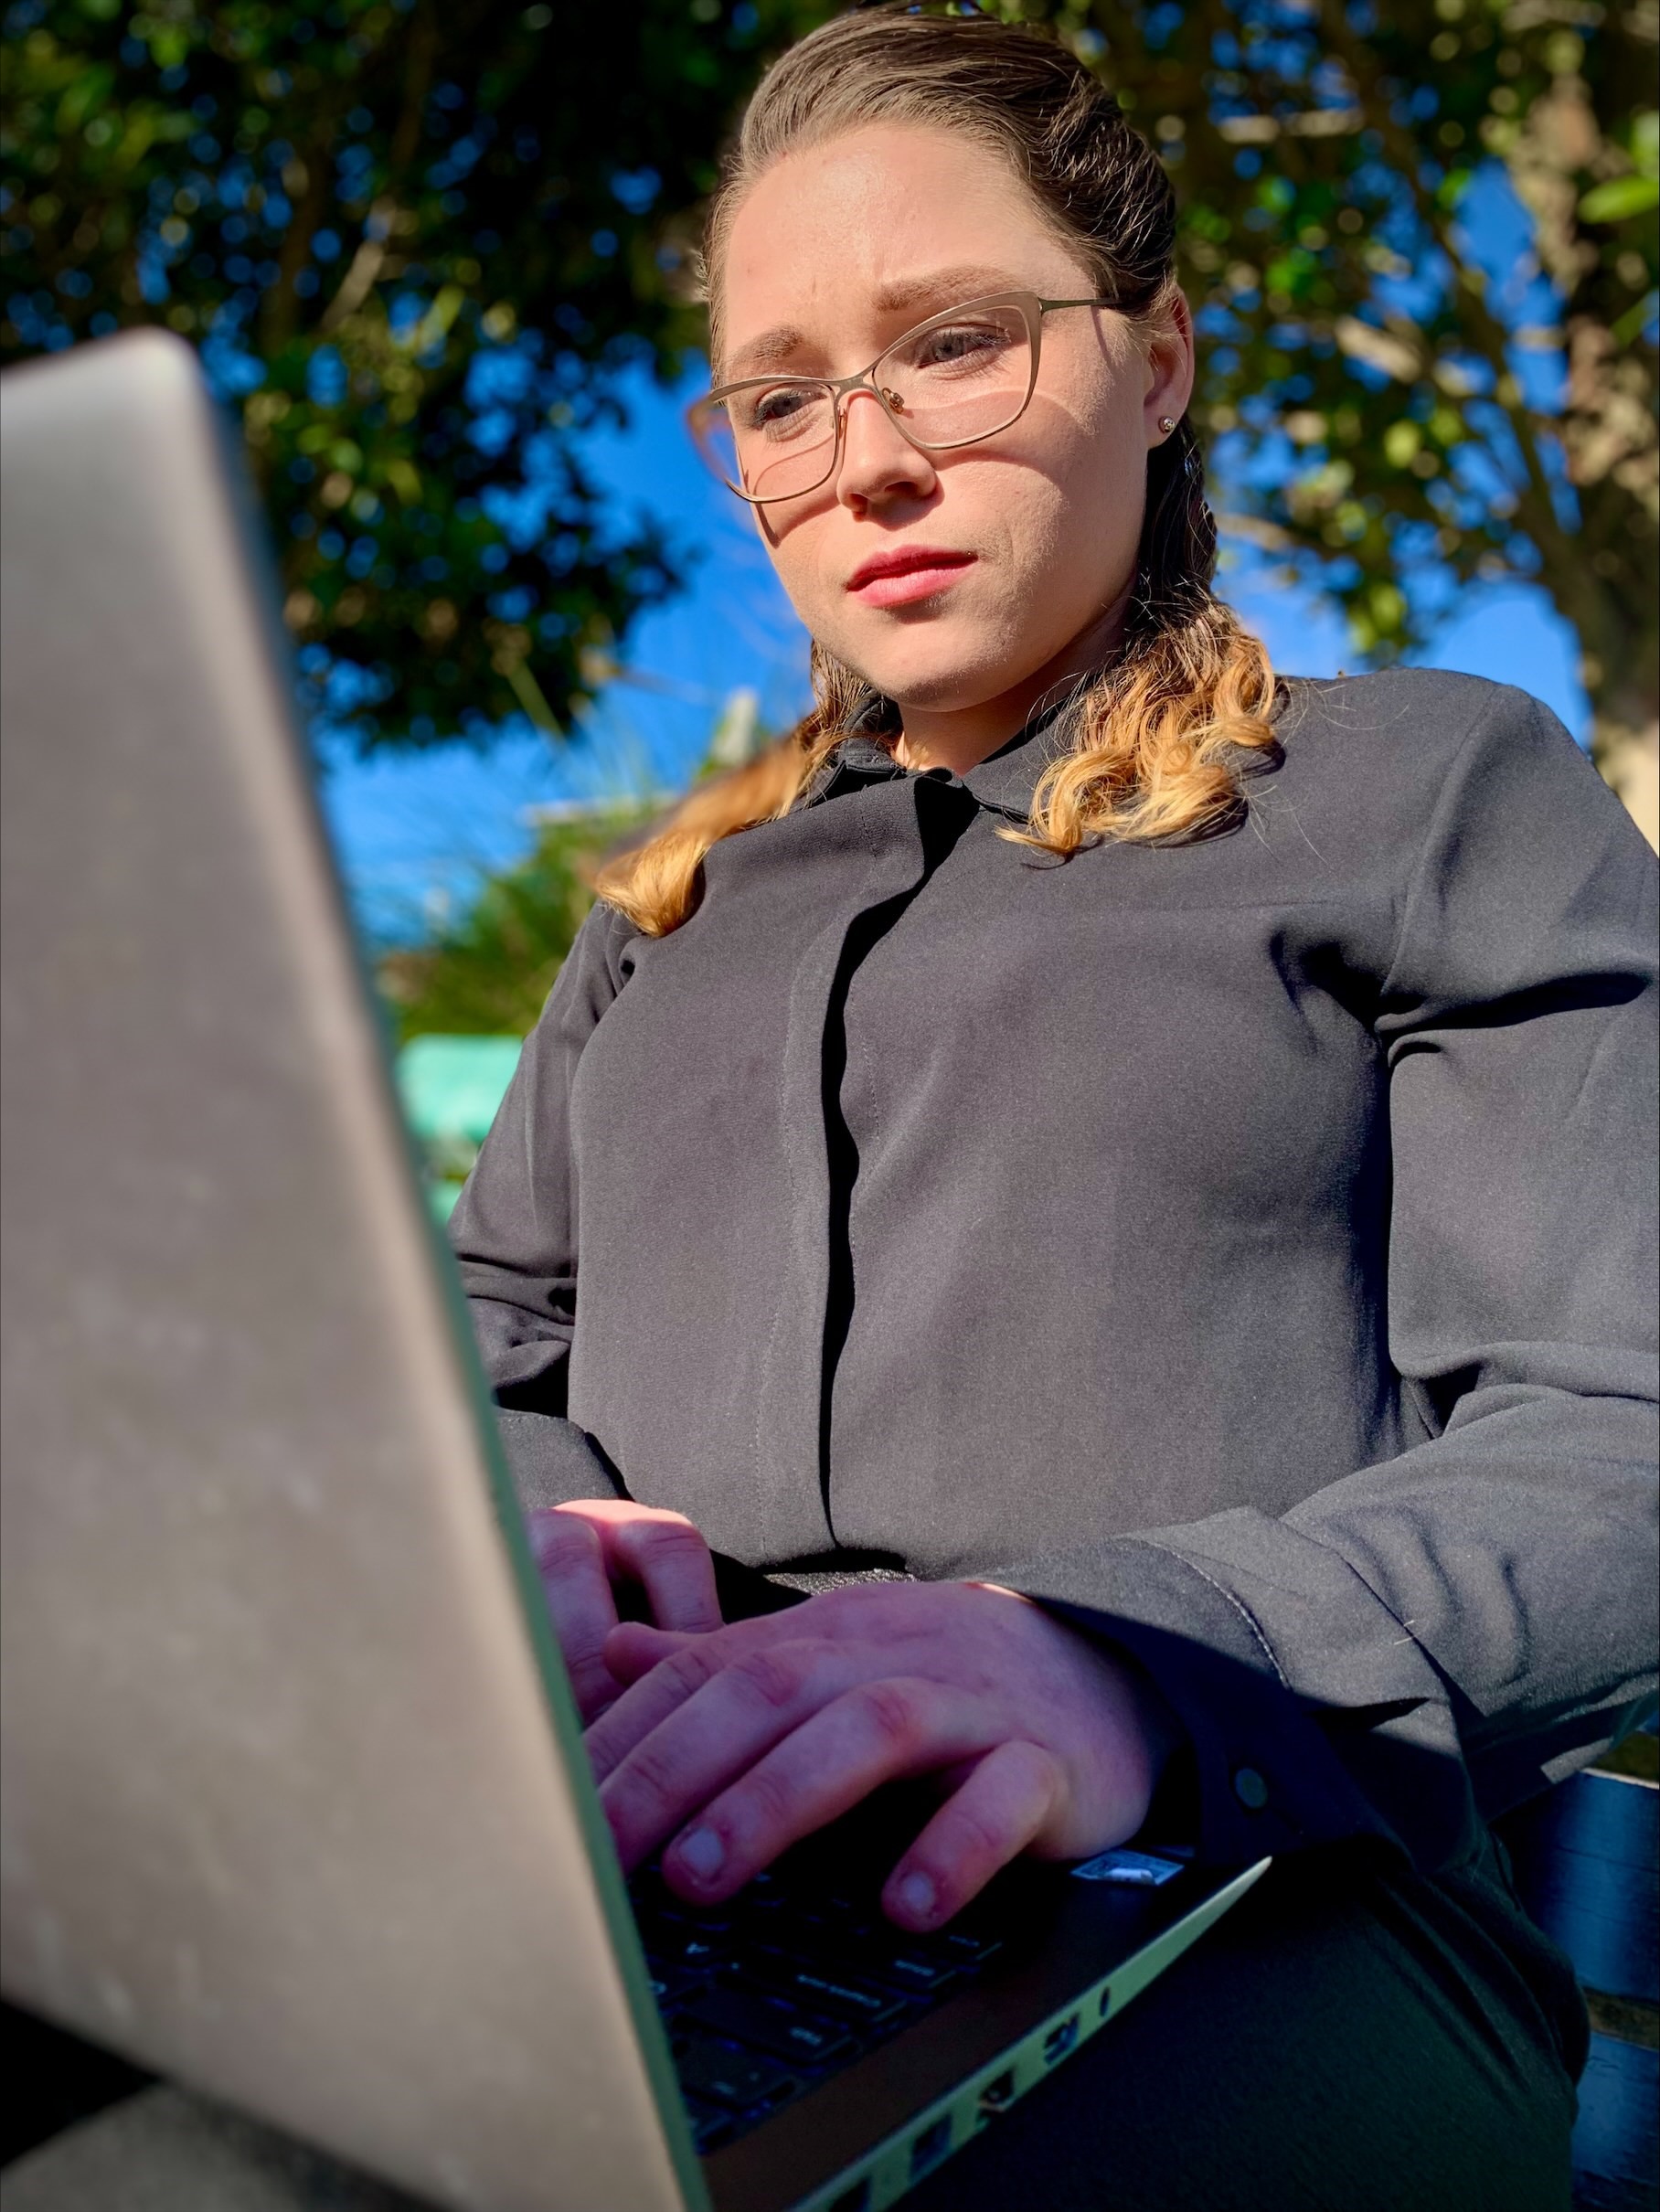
[[1050, 508]]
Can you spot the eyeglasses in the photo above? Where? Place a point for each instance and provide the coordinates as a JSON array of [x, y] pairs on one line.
[[962, 375]]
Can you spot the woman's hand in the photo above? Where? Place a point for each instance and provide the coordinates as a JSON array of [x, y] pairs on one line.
[[735, 1745], [584, 1549]]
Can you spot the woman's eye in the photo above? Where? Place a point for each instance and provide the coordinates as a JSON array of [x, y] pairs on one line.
[[959, 342], [781, 408]]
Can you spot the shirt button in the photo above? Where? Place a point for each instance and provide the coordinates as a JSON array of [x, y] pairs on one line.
[[1250, 1789]]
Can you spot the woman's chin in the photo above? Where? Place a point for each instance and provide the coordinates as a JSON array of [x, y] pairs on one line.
[[943, 671]]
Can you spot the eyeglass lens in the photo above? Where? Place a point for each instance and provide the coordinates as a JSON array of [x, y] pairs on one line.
[[953, 382]]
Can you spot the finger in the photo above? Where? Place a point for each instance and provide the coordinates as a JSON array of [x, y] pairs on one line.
[[874, 1732], [632, 1649], [664, 1670], [645, 1704], [711, 1738], [668, 1558], [820, 1616], [570, 1558], [1005, 1805]]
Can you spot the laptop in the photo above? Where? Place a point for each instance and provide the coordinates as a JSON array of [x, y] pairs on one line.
[[293, 1807]]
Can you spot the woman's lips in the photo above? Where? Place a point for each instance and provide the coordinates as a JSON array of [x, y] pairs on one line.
[[898, 587]]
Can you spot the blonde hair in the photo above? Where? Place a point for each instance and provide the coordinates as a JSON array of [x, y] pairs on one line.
[[1154, 747]]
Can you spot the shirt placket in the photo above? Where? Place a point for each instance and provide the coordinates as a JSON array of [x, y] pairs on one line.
[[921, 818]]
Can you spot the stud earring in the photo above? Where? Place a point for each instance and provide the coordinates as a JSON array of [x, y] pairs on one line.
[[1166, 423]]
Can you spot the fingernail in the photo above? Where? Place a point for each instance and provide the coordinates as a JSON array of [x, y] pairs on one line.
[[918, 1897], [701, 1853]]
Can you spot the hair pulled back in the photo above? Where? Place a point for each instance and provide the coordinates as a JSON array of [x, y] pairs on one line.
[[1155, 744]]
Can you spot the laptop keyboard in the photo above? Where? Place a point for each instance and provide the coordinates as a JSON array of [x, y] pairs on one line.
[[790, 1980]]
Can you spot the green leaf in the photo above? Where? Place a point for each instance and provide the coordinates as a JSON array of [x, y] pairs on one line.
[[1389, 606], [1634, 320], [1620, 197], [657, 84], [1401, 442], [89, 92], [1453, 187]]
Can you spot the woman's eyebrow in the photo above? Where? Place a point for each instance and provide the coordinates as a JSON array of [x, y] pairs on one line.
[[943, 287], [939, 287], [769, 351]]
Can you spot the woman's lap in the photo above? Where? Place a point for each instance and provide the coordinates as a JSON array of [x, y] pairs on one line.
[[1342, 2040]]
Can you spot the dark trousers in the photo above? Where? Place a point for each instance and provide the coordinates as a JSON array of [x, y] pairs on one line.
[[1346, 2038]]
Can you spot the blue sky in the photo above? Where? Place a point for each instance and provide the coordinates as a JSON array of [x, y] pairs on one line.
[[414, 832]]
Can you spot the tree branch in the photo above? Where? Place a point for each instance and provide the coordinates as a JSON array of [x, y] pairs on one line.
[[1482, 328], [280, 311]]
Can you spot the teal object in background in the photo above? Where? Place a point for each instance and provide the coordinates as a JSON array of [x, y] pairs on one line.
[[450, 1088]]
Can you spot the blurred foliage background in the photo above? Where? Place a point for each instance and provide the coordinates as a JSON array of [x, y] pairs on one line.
[[417, 244], [1413, 413], [419, 247], [488, 972]]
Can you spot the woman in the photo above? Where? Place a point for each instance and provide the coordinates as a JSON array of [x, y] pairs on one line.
[[1119, 1174]]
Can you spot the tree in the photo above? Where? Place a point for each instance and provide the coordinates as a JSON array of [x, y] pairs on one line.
[[418, 244], [487, 973], [1393, 418]]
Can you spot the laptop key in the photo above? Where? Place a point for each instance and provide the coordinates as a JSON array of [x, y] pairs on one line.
[[881, 1954], [836, 1927], [962, 1945], [671, 1981], [766, 2025], [735, 2079], [667, 1911], [967, 1945], [687, 1948], [711, 2126], [843, 1996], [904, 1969]]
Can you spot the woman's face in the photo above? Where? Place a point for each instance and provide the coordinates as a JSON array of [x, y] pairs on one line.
[[1049, 509]]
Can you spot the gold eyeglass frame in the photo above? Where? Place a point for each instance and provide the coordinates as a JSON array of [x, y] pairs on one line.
[[1032, 308]]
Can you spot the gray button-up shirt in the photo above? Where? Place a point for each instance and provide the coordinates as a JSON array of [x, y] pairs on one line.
[[1246, 1247]]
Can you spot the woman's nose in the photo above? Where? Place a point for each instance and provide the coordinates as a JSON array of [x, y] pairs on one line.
[[876, 458]]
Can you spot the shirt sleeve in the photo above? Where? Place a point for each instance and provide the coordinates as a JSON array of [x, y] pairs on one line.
[[513, 1231], [1438, 1636]]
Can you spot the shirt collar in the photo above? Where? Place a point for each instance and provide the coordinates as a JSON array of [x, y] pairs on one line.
[[1003, 782]]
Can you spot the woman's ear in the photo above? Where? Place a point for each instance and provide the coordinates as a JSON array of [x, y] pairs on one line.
[[1171, 364]]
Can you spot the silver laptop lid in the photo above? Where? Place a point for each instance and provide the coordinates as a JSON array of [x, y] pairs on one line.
[[294, 1799]]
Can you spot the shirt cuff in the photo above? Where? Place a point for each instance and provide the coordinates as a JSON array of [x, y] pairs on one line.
[[553, 1461], [1266, 1767]]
